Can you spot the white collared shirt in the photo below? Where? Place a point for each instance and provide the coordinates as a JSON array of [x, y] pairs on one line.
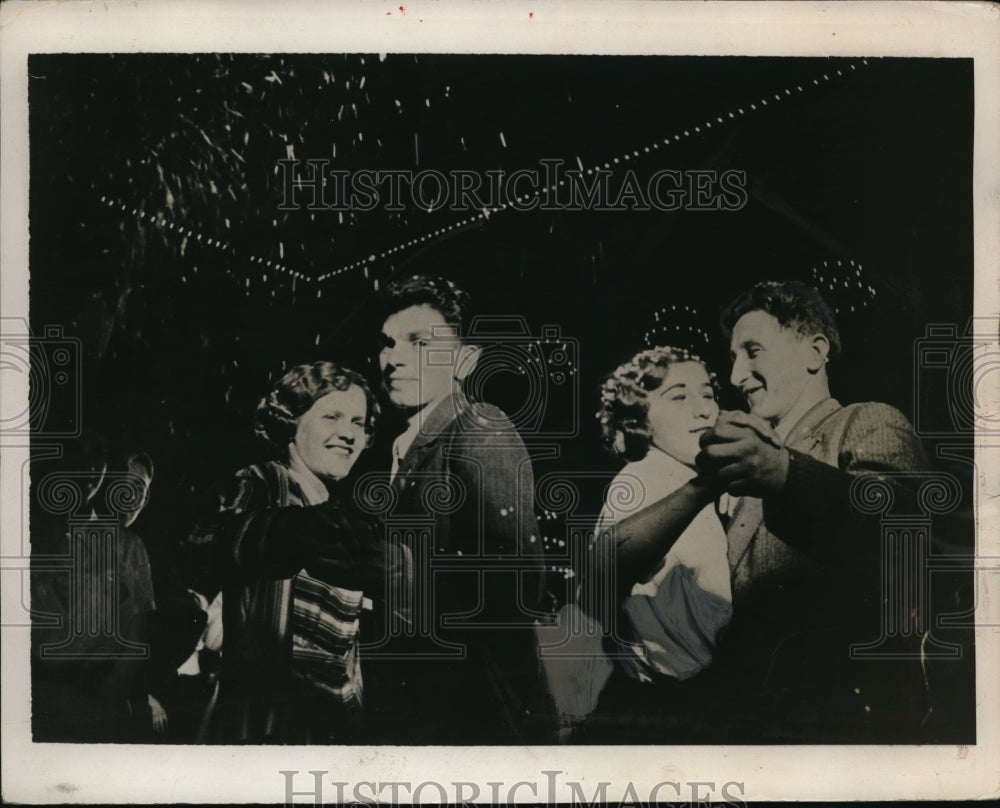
[[405, 439]]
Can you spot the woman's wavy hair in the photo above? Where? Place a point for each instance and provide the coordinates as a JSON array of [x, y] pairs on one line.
[[278, 413], [624, 412]]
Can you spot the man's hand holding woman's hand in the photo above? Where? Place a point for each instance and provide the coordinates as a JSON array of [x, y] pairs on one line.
[[744, 454]]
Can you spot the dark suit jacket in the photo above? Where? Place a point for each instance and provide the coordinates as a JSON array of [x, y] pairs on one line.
[[808, 575], [465, 670]]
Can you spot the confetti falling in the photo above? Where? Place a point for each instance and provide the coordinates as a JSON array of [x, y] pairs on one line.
[[188, 275], [844, 285], [284, 74]]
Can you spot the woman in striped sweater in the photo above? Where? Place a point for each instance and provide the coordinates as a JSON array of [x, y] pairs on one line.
[[297, 564]]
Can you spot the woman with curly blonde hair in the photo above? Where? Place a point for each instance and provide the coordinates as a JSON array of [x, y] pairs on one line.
[[667, 613]]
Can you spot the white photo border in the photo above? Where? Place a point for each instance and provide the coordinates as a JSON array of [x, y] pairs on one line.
[[49, 773]]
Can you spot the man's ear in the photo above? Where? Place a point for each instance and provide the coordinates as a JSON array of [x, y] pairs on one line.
[[468, 358], [819, 351]]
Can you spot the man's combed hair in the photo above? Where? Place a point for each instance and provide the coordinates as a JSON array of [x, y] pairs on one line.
[[793, 304], [453, 303], [624, 412], [278, 413]]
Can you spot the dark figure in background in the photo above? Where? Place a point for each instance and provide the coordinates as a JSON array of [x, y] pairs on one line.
[[296, 565], [805, 563], [463, 670], [91, 684]]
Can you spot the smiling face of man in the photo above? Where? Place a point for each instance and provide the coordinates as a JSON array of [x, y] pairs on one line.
[[331, 434], [774, 367]]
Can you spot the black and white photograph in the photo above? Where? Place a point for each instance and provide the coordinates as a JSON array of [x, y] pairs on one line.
[[406, 406]]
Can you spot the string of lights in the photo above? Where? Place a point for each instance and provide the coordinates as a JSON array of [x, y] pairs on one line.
[[161, 220]]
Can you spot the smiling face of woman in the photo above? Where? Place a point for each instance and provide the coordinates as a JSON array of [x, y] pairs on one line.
[[331, 434], [681, 409]]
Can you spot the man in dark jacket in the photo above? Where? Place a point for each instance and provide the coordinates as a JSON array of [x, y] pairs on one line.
[[458, 665]]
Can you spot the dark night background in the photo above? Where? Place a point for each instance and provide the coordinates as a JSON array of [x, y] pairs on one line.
[[870, 162]]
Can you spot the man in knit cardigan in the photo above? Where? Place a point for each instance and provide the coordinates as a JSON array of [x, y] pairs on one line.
[[806, 564]]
